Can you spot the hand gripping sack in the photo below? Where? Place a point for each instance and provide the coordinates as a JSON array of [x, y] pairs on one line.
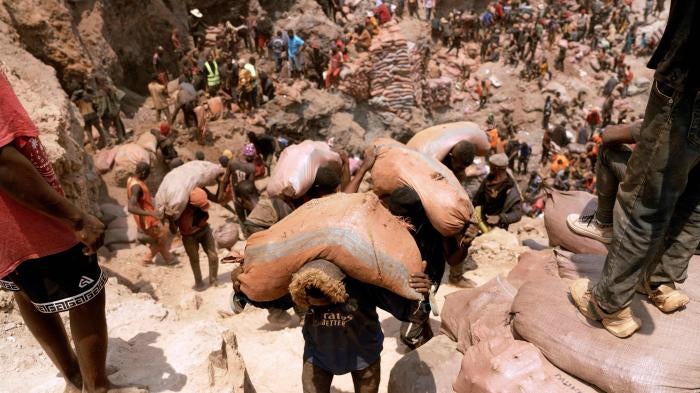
[[437, 141], [296, 168], [353, 231], [446, 203], [174, 191], [558, 206]]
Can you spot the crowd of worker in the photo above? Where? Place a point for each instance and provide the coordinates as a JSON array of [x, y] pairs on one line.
[[583, 149]]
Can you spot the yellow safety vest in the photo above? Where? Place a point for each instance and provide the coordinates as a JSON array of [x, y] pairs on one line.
[[212, 77]]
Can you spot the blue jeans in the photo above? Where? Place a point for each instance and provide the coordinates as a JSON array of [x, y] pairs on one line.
[[657, 213], [611, 167], [278, 61], [295, 64]]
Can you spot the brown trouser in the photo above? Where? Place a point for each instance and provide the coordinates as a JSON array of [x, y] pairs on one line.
[[191, 244], [317, 380]]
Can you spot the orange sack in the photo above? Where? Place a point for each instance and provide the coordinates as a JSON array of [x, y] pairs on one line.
[[446, 203], [437, 141], [354, 231]]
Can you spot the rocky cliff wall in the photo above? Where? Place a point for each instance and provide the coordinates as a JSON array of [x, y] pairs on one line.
[[116, 37], [37, 87]]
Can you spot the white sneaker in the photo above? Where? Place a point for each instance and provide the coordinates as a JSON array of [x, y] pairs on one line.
[[587, 226]]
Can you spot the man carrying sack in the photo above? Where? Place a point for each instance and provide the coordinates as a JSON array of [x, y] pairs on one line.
[[342, 332]]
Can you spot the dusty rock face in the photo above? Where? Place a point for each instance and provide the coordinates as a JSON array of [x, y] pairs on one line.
[[301, 112], [307, 16], [345, 132], [56, 117], [79, 38]]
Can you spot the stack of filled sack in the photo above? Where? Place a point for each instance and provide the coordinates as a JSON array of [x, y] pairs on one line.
[[387, 72], [355, 77]]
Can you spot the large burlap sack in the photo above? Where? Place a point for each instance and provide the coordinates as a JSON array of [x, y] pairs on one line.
[[110, 211], [104, 159], [430, 368], [560, 204], [505, 365], [661, 357], [216, 107], [121, 231], [226, 236], [470, 316], [148, 141], [354, 231], [437, 141], [446, 203], [125, 161], [296, 168], [574, 266], [174, 191], [533, 265]]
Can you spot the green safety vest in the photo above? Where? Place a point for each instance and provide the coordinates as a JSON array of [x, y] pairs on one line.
[[212, 77]]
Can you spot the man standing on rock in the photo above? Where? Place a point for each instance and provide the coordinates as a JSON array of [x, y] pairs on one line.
[[211, 68], [656, 224], [294, 48], [48, 255], [147, 219], [159, 95], [109, 108], [194, 227], [83, 98], [186, 101]]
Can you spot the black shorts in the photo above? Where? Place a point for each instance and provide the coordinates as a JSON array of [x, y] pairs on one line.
[[58, 282]]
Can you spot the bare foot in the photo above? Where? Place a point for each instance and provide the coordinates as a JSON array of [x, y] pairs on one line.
[[74, 384], [72, 388]]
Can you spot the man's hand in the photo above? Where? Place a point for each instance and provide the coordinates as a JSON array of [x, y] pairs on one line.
[[234, 278], [370, 158], [420, 282], [493, 220], [91, 233]]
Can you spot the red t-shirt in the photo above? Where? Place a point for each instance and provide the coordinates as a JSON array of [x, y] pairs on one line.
[[27, 233], [383, 13]]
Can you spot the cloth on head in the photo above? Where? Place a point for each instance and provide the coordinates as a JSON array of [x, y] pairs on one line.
[[196, 12], [198, 198], [228, 154], [322, 275], [499, 160], [164, 129]]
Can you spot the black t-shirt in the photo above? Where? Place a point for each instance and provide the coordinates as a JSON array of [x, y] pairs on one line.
[[677, 59], [341, 338], [430, 244]]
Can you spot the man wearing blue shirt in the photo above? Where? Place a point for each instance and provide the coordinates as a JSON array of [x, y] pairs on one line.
[[294, 48]]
